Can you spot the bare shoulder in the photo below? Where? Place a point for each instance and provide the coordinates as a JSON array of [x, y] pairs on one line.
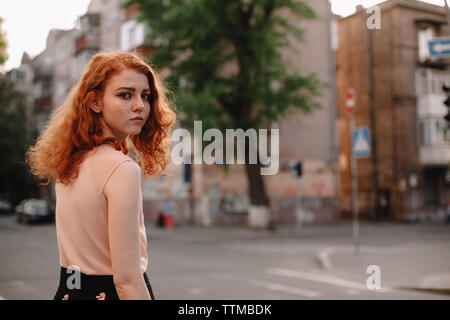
[[125, 177], [108, 151]]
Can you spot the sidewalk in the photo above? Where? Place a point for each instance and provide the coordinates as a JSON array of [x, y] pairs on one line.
[[422, 264]]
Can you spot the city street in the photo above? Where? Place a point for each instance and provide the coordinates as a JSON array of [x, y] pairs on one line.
[[316, 262]]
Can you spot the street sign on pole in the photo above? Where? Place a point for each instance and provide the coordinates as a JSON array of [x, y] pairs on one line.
[[439, 47], [361, 142], [350, 100]]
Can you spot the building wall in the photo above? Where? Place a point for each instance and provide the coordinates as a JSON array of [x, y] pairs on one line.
[[395, 60], [310, 135]]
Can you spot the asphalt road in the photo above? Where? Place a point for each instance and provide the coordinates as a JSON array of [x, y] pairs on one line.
[[219, 263]]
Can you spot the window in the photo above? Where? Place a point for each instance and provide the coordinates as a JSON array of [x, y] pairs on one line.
[[432, 131], [421, 134], [425, 34]]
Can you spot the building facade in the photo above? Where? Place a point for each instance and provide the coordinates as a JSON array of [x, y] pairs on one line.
[[400, 99]]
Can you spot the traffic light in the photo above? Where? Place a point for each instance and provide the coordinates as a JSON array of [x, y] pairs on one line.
[[187, 174], [447, 116], [447, 103], [298, 169]]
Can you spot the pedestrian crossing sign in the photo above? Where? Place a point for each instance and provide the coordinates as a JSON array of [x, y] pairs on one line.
[[361, 142]]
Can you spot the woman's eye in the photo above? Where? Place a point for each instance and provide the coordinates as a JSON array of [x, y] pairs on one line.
[[146, 96], [124, 95]]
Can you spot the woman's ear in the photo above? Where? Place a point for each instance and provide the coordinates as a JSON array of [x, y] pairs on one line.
[[95, 107]]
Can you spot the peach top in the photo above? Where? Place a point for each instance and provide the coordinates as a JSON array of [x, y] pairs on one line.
[[82, 215]]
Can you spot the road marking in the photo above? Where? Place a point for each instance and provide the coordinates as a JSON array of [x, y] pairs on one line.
[[324, 258], [284, 288], [268, 285], [319, 278], [195, 291], [353, 292], [21, 285]]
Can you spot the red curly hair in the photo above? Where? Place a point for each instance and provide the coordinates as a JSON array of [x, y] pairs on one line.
[[74, 129]]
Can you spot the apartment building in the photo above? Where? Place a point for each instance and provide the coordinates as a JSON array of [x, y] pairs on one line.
[[400, 99]]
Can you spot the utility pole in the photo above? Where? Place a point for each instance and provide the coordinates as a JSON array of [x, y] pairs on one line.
[[370, 87], [350, 103], [355, 206], [299, 214]]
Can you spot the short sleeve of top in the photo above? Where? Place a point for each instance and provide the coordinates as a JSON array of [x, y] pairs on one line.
[[82, 214]]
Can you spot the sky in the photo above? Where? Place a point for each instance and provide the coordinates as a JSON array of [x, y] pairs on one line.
[[28, 22]]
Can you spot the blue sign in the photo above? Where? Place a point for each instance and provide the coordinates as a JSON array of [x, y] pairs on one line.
[[439, 47], [361, 142]]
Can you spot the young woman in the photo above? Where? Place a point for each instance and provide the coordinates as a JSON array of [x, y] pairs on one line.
[[118, 102]]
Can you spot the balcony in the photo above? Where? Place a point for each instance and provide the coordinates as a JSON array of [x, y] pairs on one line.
[[434, 155], [90, 41], [430, 95], [434, 142], [43, 103], [434, 137], [42, 73]]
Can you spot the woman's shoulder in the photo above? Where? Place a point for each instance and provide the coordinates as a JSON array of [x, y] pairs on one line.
[[104, 160], [107, 153]]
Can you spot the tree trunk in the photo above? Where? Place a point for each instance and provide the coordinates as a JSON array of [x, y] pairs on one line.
[[259, 215]]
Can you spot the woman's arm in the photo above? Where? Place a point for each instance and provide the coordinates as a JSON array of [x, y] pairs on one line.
[[122, 192]]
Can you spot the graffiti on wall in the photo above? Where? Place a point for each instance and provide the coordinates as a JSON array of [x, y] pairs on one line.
[[235, 204]]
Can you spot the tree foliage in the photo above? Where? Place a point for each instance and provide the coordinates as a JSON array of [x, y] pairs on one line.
[[197, 39], [15, 135], [3, 45]]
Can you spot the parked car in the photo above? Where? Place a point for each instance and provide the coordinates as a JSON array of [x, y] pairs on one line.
[[34, 210], [5, 206]]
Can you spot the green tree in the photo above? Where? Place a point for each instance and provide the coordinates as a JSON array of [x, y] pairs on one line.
[[197, 39], [3, 45], [15, 135]]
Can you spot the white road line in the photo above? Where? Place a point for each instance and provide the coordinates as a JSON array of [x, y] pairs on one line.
[[195, 291], [327, 279], [353, 292], [19, 285], [324, 258], [288, 289]]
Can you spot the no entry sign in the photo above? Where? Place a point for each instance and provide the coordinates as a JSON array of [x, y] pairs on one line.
[[350, 100]]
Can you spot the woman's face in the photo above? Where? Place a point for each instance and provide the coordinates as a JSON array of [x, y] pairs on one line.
[[125, 105]]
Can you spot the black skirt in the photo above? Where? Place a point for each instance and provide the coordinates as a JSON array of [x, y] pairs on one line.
[[89, 287]]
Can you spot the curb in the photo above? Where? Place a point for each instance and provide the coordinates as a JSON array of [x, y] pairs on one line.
[[323, 258]]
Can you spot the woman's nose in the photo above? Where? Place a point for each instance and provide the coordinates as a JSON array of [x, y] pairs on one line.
[[138, 104]]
